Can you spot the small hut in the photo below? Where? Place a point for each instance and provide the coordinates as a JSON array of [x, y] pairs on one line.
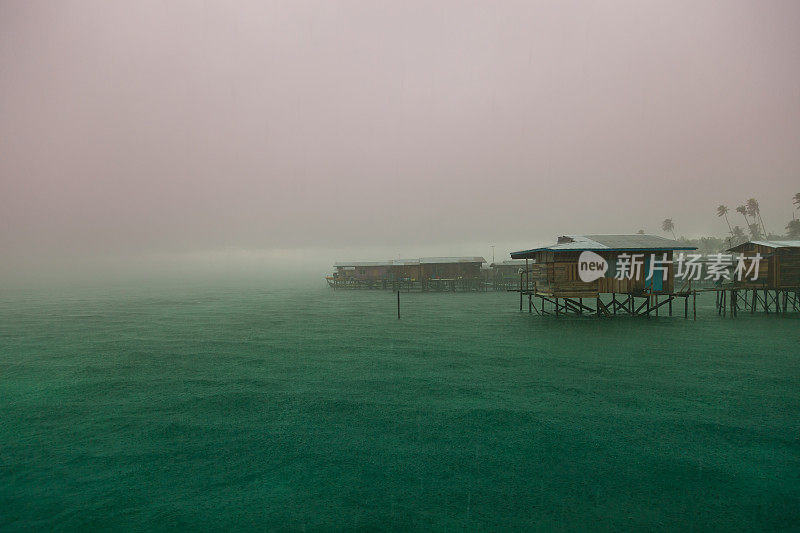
[[451, 273], [625, 267], [360, 274], [504, 275], [770, 278], [451, 267]]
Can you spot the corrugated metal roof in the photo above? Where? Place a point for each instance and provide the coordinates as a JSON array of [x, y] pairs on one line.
[[428, 260], [511, 262], [410, 262], [362, 264], [635, 242], [778, 244], [639, 241]]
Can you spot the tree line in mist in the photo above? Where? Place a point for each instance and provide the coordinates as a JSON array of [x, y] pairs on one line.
[[753, 222]]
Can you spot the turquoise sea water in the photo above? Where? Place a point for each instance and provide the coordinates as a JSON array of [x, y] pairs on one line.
[[245, 408]]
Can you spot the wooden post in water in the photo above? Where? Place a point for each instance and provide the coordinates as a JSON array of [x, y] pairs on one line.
[[527, 276], [694, 304], [398, 305]]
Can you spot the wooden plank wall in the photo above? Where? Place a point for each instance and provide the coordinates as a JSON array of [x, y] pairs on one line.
[[788, 269], [563, 277]]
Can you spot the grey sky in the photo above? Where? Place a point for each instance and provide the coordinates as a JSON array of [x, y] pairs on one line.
[[169, 127]]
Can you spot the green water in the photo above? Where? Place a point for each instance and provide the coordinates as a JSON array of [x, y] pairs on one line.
[[246, 408]]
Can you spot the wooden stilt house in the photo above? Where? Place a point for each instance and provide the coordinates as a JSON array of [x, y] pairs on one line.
[[553, 273], [769, 280], [779, 266]]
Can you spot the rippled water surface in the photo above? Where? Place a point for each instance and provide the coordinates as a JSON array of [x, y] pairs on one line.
[[209, 407]]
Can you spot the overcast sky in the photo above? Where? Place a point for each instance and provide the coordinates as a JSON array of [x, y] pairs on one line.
[[167, 127]]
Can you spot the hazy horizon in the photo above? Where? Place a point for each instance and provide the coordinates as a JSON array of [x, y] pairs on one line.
[[237, 136]]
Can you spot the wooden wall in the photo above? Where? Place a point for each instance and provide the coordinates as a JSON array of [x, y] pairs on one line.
[[406, 272], [558, 273], [451, 270], [364, 273], [788, 269], [779, 268]]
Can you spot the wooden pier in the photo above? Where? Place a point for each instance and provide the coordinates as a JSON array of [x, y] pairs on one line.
[[607, 305], [731, 301], [410, 285]]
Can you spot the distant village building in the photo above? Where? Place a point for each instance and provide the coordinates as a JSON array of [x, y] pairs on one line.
[[451, 267], [505, 275], [426, 273], [363, 270]]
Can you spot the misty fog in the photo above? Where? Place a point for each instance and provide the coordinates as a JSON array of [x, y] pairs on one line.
[[189, 137]]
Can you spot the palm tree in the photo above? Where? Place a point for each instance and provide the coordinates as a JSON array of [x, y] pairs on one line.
[[755, 231], [793, 229], [754, 211], [743, 210], [668, 225], [738, 234], [722, 211], [796, 200]]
